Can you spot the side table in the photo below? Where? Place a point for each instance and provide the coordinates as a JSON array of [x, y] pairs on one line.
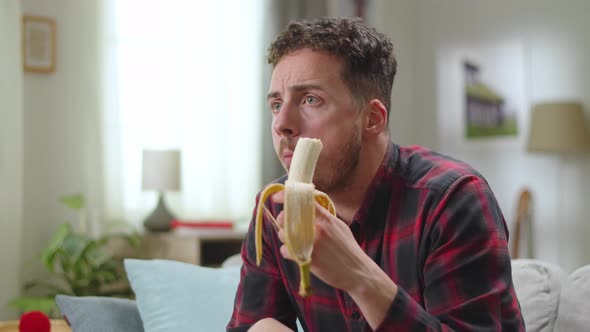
[[206, 248]]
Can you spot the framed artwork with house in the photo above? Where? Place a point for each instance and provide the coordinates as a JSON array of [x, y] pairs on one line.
[[39, 42], [488, 112], [482, 99]]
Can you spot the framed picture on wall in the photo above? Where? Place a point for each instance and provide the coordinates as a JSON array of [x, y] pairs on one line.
[[488, 112], [482, 96], [39, 37]]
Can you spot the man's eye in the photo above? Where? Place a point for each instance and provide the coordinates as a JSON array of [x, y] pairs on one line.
[[312, 100], [275, 107]]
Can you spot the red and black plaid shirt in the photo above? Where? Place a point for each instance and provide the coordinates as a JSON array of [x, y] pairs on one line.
[[433, 225]]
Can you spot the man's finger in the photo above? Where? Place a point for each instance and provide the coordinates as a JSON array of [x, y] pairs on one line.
[[322, 214], [285, 252], [281, 219], [278, 198], [282, 234]]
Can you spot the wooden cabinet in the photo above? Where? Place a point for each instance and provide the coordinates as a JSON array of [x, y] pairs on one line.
[[207, 248]]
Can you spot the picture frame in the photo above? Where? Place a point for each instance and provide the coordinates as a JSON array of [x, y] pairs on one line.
[[39, 42], [503, 68]]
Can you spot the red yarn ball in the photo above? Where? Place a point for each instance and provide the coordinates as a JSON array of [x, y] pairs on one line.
[[34, 321]]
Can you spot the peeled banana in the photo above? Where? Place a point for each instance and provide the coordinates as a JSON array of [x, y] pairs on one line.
[[299, 208]]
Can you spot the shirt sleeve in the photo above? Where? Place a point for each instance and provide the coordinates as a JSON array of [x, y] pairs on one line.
[[467, 271], [261, 292]]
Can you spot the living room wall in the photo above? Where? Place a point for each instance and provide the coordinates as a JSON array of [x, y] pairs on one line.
[[555, 39], [11, 153], [62, 150]]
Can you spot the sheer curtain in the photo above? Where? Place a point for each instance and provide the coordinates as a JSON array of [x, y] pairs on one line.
[[185, 75]]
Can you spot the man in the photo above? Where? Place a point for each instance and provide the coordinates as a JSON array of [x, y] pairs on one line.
[[419, 242]]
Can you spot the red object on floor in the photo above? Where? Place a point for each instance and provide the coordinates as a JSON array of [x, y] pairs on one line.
[[34, 321]]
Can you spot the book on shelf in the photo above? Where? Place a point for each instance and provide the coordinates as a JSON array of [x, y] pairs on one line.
[[202, 224], [206, 228]]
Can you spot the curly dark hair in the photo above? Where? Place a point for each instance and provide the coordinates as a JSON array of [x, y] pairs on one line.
[[369, 65]]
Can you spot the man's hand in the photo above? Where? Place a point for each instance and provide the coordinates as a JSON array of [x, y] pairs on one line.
[[335, 251], [340, 262]]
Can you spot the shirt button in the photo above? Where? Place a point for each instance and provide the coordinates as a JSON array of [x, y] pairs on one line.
[[356, 315]]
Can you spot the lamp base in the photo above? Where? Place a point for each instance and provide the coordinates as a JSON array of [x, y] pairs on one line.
[[159, 220]]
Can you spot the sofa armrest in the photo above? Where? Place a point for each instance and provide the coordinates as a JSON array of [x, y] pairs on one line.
[[574, 306], [538, 287]]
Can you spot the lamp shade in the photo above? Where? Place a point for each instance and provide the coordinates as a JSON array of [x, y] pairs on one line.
[[558, 127], [161, 170]]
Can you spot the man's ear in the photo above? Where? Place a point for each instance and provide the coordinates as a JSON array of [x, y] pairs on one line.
[[376, 118]]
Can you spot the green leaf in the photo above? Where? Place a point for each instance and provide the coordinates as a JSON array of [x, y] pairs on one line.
[[50, 286], [75, 201], [73, 246], [118, 223], [107, 276], [97, 256], [48, 255], [43, 304], [133, 239]]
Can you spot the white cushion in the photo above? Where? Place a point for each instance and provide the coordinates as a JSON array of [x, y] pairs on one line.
[[176, 296], [574, 308], [232, 261], [538, 288]]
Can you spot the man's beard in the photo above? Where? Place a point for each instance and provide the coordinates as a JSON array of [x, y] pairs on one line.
[[336, 174]]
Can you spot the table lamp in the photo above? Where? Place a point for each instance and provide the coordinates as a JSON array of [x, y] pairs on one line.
[[161, 172], [559, 128]]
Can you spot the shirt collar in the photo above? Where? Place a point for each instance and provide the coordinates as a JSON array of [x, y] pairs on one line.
[[384, 172]]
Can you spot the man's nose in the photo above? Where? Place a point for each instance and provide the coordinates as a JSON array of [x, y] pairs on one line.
[[286, 121]]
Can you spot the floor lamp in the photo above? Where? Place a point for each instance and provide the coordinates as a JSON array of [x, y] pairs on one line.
[[161, 172], [558, 128]]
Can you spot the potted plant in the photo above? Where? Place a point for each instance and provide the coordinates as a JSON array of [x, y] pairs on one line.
[[77, 264]]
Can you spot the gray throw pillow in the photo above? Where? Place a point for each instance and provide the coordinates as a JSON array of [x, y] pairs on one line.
[[104, 314]]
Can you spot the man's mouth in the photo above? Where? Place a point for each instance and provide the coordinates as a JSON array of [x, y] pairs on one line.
[[287, 158], [287, 147]]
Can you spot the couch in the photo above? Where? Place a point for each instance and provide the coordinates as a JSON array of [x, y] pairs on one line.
[[550, 299], [175, 296]]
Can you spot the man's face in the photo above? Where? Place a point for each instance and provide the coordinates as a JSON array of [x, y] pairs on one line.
[[308, 98]]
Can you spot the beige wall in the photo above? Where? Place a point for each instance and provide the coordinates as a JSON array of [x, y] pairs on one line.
[[554, 37], [62, 151], [11, 153]]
